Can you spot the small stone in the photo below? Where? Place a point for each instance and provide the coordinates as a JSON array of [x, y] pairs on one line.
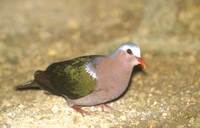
[[123, 118], [164, 115], [72, 24], [11, 114], [191, 120], [191, 59], [52, 52], [152, 124], [55, 109]]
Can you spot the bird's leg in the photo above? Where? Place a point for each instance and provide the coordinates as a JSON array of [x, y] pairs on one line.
[[103, 106], [75, 107], [78, 109]]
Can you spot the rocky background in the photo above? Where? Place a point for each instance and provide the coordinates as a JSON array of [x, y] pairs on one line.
[[35, 33]]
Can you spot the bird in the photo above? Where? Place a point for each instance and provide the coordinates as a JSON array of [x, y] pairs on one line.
[[89, 80]]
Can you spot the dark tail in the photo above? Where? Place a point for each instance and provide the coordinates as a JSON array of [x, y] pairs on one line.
[[33, 85]]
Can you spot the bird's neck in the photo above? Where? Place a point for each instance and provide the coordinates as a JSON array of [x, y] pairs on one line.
[[121, 62]]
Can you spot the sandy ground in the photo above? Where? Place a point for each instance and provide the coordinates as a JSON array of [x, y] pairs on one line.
[[35, 33]]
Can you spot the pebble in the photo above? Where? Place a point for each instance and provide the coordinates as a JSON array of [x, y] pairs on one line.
[[51, 52]]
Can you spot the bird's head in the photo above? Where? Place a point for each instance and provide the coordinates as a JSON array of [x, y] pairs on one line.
[[130, 53]]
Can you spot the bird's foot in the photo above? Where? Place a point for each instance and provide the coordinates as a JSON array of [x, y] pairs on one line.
[[81, 111], [103, 106]]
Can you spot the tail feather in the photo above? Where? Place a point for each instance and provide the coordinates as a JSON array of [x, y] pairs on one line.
[[33, 85]]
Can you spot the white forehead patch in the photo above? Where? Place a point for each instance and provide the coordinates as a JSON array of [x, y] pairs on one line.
[[134, 48], [91, 70]]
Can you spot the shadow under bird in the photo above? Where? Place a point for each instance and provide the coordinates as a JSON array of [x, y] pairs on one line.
[[89, 80]]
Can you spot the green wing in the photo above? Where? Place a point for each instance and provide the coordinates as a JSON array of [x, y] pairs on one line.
[[70, 78]]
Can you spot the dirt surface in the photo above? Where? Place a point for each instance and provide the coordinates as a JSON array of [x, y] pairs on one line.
[[35, 33]]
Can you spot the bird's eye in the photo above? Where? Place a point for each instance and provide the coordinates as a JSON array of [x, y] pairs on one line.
[[129, 51]]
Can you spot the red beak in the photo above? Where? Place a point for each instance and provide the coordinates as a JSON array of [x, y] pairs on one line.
[[141, 62]]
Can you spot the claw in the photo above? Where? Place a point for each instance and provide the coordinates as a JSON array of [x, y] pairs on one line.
[[81, 111]]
